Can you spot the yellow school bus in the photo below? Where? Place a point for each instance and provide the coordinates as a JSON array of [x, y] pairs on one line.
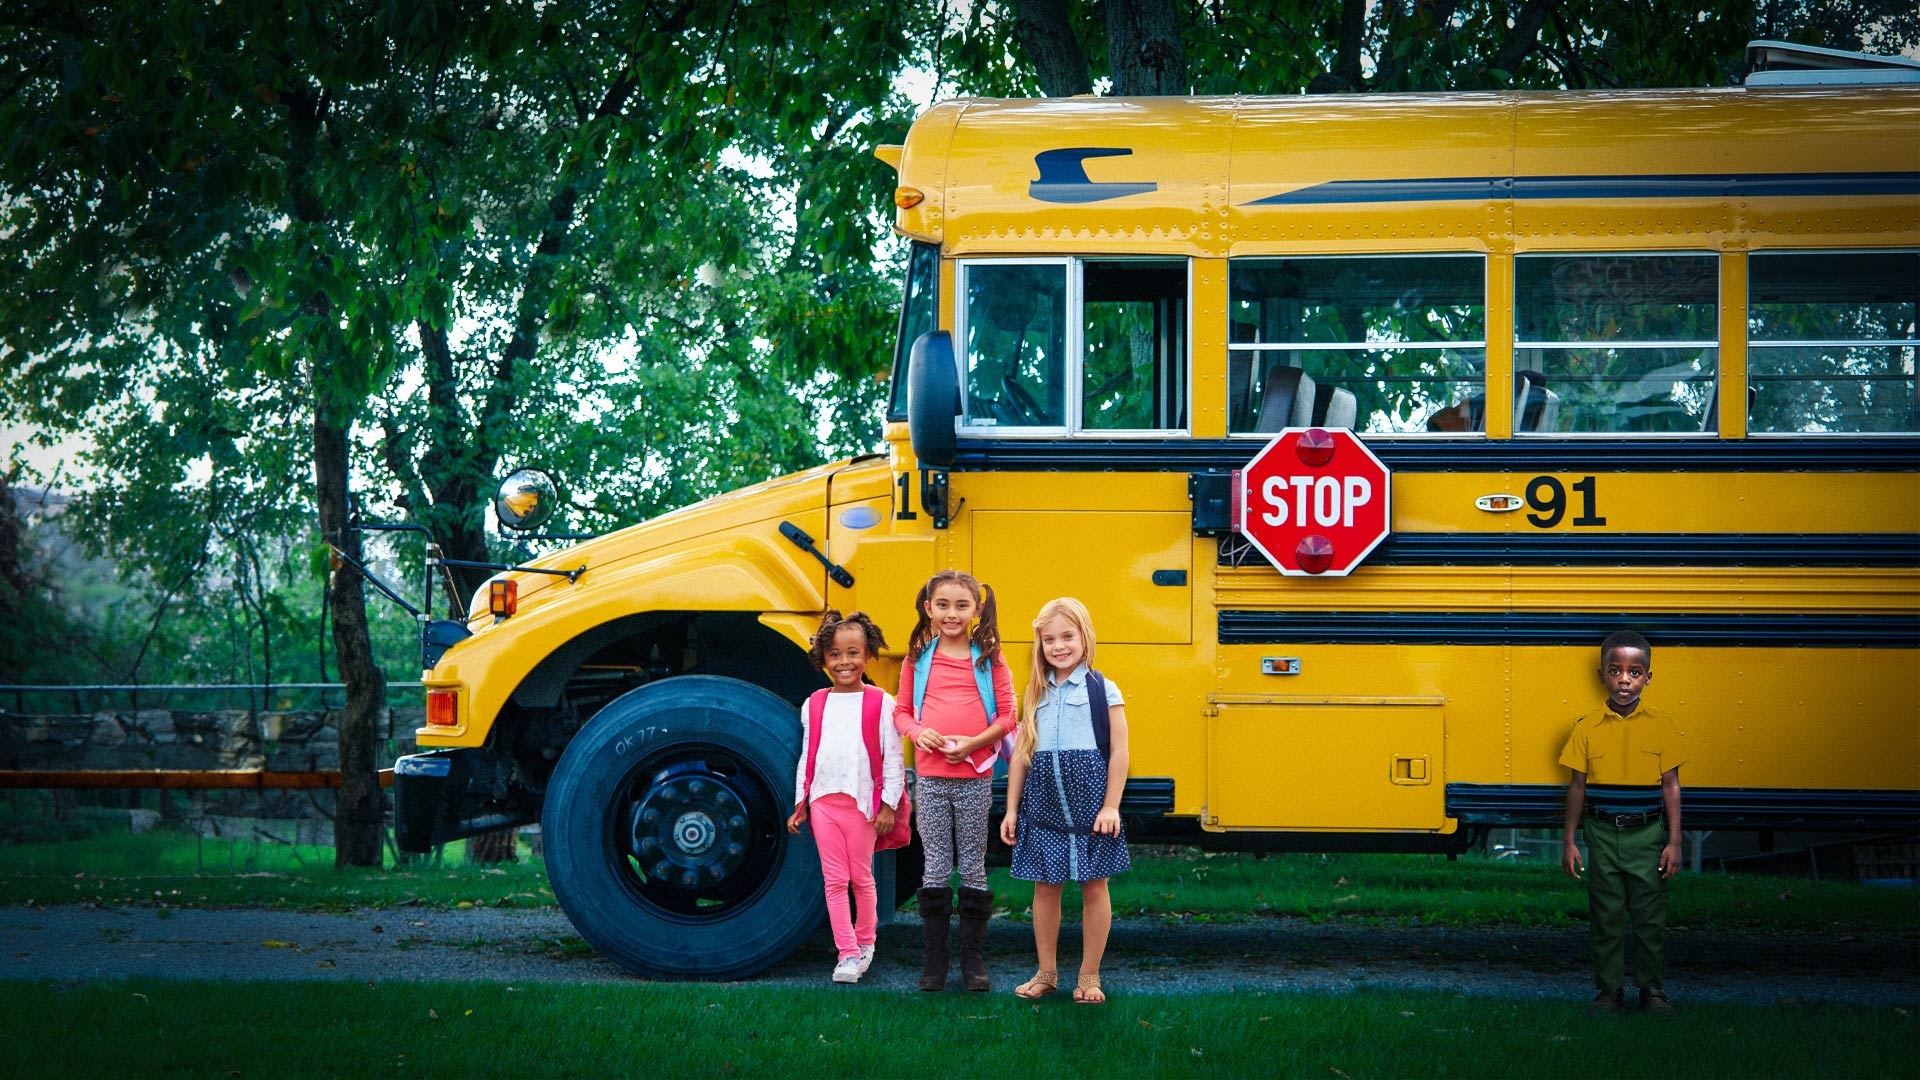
[[1634, 359]]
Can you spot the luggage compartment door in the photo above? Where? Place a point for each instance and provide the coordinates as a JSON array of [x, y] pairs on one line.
[[1326, 764]]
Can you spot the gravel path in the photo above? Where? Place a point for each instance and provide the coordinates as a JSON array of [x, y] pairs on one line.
[[1148, 956]]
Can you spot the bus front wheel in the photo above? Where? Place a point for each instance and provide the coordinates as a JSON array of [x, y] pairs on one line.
[[665, 831]]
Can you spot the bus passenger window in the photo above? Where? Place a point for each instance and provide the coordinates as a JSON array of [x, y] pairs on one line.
[[1830, 341], [1015, 329], [1134, 366], [1622, 343], [1385, 344]]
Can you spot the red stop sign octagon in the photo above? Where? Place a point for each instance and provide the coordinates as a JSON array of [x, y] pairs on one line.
[[1315, 502]]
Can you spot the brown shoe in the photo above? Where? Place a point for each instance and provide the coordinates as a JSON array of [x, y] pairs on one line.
[[1655, 1000], [1608, 1003]]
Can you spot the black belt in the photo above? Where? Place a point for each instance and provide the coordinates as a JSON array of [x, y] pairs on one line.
[[1622, 821]]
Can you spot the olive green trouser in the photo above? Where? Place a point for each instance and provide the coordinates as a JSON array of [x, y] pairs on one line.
[[1623, 880]]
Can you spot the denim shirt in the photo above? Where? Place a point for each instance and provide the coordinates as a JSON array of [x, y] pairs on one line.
[[1062, 721]]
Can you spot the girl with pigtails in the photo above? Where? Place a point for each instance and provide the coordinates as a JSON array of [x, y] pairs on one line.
[[955, 705]]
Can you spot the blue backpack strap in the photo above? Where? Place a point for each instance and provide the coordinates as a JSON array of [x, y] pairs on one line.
[[1097, 709], [922, 668], [983, 679]]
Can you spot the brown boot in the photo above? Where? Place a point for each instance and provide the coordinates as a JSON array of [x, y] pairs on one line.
[[936, 914], [976, 906]]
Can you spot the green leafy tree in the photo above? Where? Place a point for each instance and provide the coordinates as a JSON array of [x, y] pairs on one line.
[[253, 244]]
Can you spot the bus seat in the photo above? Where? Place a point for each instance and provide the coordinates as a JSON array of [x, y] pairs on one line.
[[1535, 408], [1344, 409], [1286, 400], [1334, 406]]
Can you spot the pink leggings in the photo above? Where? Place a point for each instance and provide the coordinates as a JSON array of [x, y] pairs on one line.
[[845, 838]]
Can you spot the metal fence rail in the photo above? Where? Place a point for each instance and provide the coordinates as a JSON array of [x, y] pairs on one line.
[[19, 691]]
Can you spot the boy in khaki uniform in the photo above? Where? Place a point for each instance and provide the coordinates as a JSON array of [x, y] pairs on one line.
[[1626, 762]]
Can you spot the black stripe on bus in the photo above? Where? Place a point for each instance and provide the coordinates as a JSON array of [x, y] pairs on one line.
[[1632, 549], [1646, 186], [1505, 805], [1739, 628], [1651, 454]]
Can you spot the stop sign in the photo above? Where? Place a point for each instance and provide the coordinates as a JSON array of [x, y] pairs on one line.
[[1315, 502]]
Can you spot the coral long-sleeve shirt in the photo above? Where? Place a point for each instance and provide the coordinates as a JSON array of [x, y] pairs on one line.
[[953, 707]]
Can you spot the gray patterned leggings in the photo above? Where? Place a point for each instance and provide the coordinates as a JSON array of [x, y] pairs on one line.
[[953, 828]]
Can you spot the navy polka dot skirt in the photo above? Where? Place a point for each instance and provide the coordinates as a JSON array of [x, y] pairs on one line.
[[1054, 842]]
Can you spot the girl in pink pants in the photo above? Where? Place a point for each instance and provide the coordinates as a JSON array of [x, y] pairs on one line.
[[835, 781]]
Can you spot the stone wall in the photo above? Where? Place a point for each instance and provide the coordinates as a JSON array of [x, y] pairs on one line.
[[292, 741]]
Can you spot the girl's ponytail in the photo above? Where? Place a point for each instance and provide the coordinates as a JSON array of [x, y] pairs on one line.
[[986, 633], [922, 635]]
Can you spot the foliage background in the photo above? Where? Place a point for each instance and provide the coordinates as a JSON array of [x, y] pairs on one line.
[[644, 244]]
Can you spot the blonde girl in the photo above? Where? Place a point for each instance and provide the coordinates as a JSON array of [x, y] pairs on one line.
[[955, 705], [1064, 785]]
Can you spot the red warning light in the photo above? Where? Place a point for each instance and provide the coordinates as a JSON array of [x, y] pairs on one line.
[[1315, 447], [1314, 553]]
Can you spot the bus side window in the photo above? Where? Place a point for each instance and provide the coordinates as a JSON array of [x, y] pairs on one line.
[[1134, 366], [919, 313], [1628, 343], [1830, 341], [1015, 329], [1385, 344]]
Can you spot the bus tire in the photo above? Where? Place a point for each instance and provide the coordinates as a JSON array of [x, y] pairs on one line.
[[665, 831]]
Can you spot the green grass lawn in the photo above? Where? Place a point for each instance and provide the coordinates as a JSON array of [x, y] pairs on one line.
[[182, 870], [148, 1027]]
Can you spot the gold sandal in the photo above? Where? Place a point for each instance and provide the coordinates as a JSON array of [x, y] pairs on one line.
[[1044, 982], [1088, 986]]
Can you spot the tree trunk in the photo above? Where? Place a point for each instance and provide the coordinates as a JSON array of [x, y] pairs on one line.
[[1145, 49], [500, 846], [1041, 28], [358, 810]]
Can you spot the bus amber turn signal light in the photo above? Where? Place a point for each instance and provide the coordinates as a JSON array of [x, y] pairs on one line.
[[443, 709], [906, 198], [1314, 553], [503, 597]]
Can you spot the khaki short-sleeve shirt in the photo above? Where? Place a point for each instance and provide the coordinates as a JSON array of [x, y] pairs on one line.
[[1636, 749]]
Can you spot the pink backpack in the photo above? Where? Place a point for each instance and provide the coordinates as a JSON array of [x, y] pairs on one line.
[[870, 702]]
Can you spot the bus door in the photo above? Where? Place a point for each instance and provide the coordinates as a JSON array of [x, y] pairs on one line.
[[1055, 352]]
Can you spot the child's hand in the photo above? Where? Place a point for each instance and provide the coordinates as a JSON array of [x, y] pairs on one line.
[[1108, 822], [883, 821], [1670, 859], [799, 815], [1009, 829], [956, 750], [1570, 859], [930, 741]]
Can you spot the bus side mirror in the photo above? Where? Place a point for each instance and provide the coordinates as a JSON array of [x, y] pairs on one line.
[[526, 499], [933, 398]]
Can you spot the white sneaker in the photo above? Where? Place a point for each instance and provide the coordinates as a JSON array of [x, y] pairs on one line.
[[848, 970], [866, 958]]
